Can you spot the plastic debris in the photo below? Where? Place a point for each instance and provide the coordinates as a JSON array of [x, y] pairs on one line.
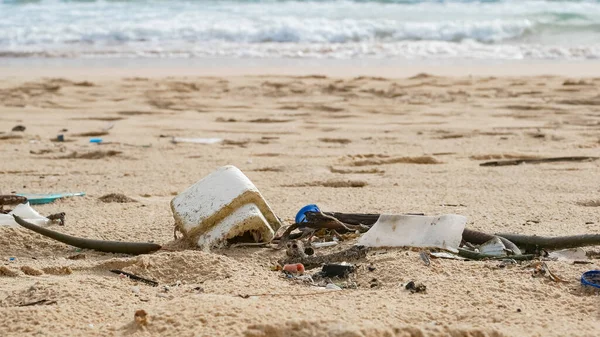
[[224, 208], [295, 268], [38, 199], [493, 247], [444, 255], [591, 278], [541, 269], [26, 212], [570, 255], [60, 138], [176, 140], [340, 270], [416, 231], [324, 244], [301, 217], [332, 286], [95, 140]]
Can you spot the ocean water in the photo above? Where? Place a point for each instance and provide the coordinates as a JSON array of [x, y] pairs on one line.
[[333, 29]]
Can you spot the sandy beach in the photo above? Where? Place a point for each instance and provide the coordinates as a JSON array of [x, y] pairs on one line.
[[369, 141]]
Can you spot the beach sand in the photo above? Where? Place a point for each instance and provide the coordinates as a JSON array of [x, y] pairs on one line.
[[295, 137]]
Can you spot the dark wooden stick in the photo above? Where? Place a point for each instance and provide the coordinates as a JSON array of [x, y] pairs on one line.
[[537, 161], [135, 277]]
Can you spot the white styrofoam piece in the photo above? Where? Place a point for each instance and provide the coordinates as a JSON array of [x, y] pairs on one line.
[[216, 200], [570, 254], [243, 219], [390, 230], [26, 213]]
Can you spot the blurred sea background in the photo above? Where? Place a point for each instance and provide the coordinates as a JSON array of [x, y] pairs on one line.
[[326, 29]]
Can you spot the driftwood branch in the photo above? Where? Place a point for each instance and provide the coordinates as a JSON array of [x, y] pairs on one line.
[[537, 161]]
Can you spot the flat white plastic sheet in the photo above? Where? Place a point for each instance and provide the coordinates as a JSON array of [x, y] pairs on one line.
[[27, 213], [391, 230]]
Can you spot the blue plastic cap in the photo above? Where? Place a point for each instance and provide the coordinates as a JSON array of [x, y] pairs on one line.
[[591, 278], [300, 217]]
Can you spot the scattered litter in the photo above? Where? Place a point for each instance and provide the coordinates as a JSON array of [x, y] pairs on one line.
[[424, 255], [538, 161], [493, 247], [116, 197], [176, 140], [506, 263], [60, 138], [341, 270], [352, 254], [26, 212], [415, 287], [332, 286], [570, 255], [444, 255], [296, 268], [135, 277], [37, 199], [9, 200], [324, 244], [540, 269], [18, 128], [95, 140], [224, 208], [415, 231], [591, 278], [301, 215]]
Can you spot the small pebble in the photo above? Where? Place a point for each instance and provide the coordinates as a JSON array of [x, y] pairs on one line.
[[135, 289]]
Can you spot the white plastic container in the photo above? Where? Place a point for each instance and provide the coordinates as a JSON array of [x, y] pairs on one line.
[[222, 206]]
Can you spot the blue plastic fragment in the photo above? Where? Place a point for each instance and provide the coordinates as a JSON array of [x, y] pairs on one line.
[[38, 199], [591, 278], [12, 258], [300, 217], [96, 140]]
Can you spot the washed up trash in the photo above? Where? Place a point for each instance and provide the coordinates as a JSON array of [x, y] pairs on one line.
[[301, 217], [541, 269], [340, 270], [38, 199], [570, 255], [224, 208], [332, 286], [324, 244], [444, 255], [591, 279], [493, 247], [96, 140], [18, 128], [26, 212], [415, 231], [60, 138], [296, 268], [176, 140]]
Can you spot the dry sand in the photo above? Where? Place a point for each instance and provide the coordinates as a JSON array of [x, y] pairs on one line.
[[300, 140]]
